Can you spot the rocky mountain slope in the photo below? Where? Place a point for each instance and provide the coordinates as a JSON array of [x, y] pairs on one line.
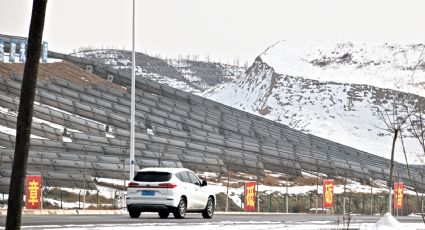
[[333, 90], [188, 74]]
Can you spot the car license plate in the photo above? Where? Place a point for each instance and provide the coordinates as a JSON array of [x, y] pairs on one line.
[[148, 193]]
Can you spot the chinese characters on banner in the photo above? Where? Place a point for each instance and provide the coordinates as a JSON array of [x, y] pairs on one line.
[[398, 195], [328, 193], [33, 194], [250, 196]]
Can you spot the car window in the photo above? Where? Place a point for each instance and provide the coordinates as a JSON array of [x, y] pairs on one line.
[[193, 178], [153, 176], [179, 175], [183, 177]]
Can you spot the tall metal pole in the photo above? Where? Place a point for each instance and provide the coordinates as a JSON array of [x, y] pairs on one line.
[[85, 174], [133, 96], [317, 192], [287, 197], [227, 192], [371, 195]]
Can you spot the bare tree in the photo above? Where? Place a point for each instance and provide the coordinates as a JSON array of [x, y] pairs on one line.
[[412, 181], [26, 106], [195, 57], [394, 117]]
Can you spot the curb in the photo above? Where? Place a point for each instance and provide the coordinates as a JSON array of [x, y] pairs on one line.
[[76, 212], [59, 212]]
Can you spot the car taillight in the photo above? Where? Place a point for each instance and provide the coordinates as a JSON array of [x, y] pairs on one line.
[[167, 185], [133, 185]]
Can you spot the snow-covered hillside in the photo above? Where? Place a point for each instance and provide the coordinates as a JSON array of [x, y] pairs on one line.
[[382, 65], [189, 75], [331, 90]]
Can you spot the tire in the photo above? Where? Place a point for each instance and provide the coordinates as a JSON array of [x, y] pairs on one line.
[[134, 213], [208, 212], [163, 214], [180, 211]]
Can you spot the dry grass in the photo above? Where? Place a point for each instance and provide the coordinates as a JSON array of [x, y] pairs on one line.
[[305, 180], [60, 70], [270, 181], [237, 180]]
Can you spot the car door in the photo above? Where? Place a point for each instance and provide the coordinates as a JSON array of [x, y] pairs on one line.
[[188, 189], [200, 197]]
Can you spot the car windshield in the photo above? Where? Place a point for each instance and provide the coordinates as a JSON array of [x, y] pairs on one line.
[[152, 176]]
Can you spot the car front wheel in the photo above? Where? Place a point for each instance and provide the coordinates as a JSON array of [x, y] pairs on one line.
[[163, 214], [209, 209], [180, 211], [134, 213]]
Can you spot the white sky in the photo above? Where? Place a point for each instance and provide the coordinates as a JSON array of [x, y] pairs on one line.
[[224, 29]]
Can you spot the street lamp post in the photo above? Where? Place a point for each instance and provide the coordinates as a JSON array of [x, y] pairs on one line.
[[133, 96]]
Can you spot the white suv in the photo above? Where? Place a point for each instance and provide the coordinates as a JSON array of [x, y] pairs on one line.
[[165, 190]]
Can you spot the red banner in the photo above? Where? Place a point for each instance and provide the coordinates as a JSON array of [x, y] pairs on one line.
[[328, 193], [33, 194], [250, 196], [398, 195]]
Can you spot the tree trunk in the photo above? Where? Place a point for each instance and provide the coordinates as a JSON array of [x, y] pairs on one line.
[[391, 171], [23, 126]]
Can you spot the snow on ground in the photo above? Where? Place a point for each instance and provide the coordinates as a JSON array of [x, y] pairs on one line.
[[70, 205], [388, 222]]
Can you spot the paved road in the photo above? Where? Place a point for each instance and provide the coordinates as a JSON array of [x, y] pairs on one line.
[[192, 218]]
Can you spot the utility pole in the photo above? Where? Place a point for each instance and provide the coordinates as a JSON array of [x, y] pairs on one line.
[[24, 121], [133, 96]]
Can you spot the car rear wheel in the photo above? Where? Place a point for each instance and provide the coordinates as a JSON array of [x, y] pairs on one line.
[[163, 214], [134, 213], [208, 212], [180, 211]]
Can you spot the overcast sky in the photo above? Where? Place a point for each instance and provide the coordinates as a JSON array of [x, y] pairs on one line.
[[223, 29]]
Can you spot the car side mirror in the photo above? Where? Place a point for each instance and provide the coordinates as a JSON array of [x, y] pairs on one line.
[[204, 183]]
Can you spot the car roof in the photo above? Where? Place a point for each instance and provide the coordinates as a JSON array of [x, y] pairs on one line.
[[170, 170]]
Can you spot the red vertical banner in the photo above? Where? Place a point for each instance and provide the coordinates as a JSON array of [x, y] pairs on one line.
[[33, 193], [328, 193], [398, 195], [250, 194]]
